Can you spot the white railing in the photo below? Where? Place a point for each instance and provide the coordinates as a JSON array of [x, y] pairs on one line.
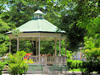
[[45, 60], [34, 58]]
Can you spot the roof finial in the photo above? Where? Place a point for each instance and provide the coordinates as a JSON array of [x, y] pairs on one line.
[[38, 12]]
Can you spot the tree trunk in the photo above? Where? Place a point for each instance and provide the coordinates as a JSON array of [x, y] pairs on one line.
[[33, 43]]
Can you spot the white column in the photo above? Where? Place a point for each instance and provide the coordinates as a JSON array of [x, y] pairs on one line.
[[17, 43], [55, 47], [9, 45], [39, 49], [60, 46]]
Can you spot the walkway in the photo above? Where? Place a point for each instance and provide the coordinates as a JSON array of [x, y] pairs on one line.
[[39, 73]]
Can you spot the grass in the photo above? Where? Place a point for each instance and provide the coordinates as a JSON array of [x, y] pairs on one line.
[[78, 70], [75, 70]]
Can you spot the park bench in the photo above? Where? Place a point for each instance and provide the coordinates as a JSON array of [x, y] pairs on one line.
[[60, 68], [35, 68], [55, 68]]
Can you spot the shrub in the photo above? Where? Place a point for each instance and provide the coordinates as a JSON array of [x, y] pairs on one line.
[[91, 66], [92, 54], [16, 63], [93, 60], [1, 67], [74, 63]]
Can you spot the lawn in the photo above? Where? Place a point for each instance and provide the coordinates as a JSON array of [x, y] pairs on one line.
[[75, 70], [78, 70]]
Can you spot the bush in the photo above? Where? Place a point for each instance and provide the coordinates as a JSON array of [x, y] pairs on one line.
[[1, 67], [93, 60], [91, 66], [74, 63], [16, 64]]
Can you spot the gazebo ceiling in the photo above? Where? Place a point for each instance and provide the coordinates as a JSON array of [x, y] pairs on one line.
[[36, 27]]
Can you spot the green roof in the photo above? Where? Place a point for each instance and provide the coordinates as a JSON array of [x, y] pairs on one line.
[[38, 25]]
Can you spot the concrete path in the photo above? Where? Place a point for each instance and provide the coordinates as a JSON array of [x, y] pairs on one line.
[[39, 73]]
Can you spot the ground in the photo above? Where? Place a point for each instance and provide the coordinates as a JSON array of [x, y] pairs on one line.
[[39, 73]]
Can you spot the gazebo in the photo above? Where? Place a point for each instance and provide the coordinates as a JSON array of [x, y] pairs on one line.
[[39, 29]]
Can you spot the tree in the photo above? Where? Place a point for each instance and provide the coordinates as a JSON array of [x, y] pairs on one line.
[[88, 15], [3, 38], [68, 23]]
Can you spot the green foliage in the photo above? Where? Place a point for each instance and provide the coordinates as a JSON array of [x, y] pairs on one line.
[[16, 63], [89, 42], [47, 47], [74, 33], [15, 33], [91, 49], [1, 67], [84, 67], [90, 66], [3, 49], [69, 55], [3, 26], [74, 63], [88, 16], [3, 38], [92, 54], [92, 42], [23, 45]]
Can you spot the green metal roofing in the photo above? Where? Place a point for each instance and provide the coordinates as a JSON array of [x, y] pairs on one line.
[[38, 25]]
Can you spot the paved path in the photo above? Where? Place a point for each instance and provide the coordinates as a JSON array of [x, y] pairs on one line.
[[39, 73]]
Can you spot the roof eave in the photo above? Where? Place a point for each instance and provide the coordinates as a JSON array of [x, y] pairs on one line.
[[38, 32]]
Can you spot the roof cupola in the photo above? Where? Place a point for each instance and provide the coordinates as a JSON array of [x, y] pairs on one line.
[[38, 15]]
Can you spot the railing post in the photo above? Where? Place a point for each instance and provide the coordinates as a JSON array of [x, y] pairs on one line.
[[45, 60], [50, 58], [54, 59], [57, 59]]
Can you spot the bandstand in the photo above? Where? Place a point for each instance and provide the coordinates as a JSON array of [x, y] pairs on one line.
[[39, 29]]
